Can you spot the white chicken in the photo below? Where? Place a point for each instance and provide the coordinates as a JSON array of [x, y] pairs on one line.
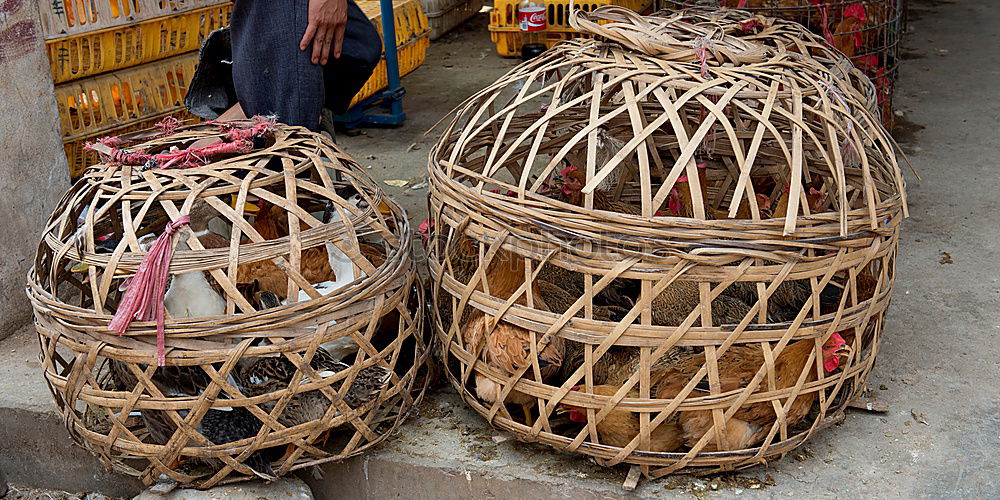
[[344, 272], [189, 295]]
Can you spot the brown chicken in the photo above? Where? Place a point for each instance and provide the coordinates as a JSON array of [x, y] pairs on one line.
[[814, 197], [508, 347], [673, 305], [847, 36], [681, 203], [619, 427], [570, 181], [314, 264], [763, 208], [607, 147], [737, 367]]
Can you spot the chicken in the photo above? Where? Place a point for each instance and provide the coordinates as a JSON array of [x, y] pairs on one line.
[[189, 294], [815, 198], [266, 221], [763, 208], [265, 375], [681, 203], [559, 298], [508, 347], [220, 424], [314, 267], [847, 36], [614, 366], [317, 264], [675, 303], [619, 427], [607, 147], [201, 216], [787, 299], [569, 182], [737, 366]]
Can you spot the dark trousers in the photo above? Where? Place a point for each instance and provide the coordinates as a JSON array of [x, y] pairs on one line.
[[272, 76]]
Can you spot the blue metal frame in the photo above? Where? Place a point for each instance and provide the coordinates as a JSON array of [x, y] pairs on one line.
[[390, 100]]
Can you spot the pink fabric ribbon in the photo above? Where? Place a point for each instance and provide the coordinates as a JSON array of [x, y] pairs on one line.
[[701, 50], [143, 299]]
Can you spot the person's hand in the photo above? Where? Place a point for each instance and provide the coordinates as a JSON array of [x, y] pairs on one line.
[[327, 21]]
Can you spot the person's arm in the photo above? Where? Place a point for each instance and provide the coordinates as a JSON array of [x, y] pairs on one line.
[[327, 23]]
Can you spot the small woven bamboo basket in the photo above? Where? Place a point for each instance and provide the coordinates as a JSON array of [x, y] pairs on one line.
[[867, 31], [741, 306], [189, 420]]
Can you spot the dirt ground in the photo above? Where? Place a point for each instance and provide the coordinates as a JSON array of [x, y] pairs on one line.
[[457, 65]]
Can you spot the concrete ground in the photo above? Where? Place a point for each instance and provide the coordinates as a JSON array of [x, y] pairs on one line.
[[935, 370]]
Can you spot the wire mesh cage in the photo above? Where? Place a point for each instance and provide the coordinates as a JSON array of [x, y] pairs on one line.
[[664, 249], [868, 32], [292, 330]]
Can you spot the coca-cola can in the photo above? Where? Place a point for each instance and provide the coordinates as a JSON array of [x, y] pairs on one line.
[[532, 19]]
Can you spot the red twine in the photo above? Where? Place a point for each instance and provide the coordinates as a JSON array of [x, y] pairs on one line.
[[751, 24], [261, 127], [700, 45], [143, 299], [238, 140], [179, 158]]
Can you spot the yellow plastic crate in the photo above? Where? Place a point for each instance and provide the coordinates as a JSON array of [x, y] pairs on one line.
[[126, 100], [412, 41], [73, 17], [112, 49], [508, 37], [79, 159]]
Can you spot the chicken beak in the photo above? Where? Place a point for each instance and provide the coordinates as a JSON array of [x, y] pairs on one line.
[[248, 208], [844, 351]]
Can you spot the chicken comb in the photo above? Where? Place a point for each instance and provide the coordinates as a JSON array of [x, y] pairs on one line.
[[425, 226], [837, 339], [568, 170], [857, 11]]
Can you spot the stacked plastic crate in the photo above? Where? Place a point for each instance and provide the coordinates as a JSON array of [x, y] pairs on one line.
[[122, 65], [506, 34]]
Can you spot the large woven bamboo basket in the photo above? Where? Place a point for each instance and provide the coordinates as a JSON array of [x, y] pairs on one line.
[[868, 32], [575, 282], [346, 356]]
